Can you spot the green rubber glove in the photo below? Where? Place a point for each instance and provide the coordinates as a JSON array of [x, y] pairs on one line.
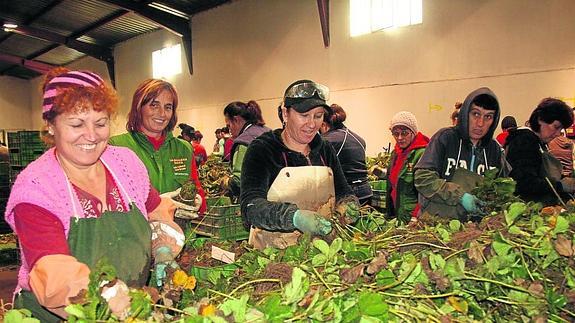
[[312, 222], [471, 203], [163, 259], [352, 212]]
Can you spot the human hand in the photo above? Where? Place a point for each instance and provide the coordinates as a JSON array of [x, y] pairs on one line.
[[471, 203], [312, 222], [180, 205], [117, 296], [568, 184], [163, 261]]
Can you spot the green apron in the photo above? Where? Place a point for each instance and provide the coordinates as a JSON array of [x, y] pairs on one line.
[[123, 238]]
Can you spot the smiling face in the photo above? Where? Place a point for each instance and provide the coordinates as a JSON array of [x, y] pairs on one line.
[[301, 128], [81, 137], [156, 114], [480, 120], [549, 131]]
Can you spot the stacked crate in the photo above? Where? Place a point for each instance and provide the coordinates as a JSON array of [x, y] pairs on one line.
[[379, 194], [24, 147], [4, 193], [221, 221]]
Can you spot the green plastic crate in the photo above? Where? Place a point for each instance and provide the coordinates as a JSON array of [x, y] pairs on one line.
[[378, 185], [221, 222], [218, 201], [378, 199]]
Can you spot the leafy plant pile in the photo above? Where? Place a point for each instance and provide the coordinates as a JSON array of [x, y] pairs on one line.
[[212, 176], [187, 193], [516, 265], [377, 165]]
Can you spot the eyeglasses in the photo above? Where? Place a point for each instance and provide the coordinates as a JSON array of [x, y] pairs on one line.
[[307, 90], [404, 133]]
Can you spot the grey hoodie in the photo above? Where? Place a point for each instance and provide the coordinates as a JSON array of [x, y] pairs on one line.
[[451, 148]]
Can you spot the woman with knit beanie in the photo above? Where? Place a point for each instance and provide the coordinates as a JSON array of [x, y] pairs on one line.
[[84, 201], [410, 145]]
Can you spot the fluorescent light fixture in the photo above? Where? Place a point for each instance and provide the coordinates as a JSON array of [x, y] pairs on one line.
[[169, 10], [10, 25]]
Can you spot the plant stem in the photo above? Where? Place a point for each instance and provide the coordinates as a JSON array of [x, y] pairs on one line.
[[169, 308], [422, 243], [481, 279], [220, 293], [421, 296], [263, 280], [321, 279], [455, 253]]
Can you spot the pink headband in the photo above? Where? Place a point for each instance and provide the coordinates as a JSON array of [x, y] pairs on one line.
[[79, 78]]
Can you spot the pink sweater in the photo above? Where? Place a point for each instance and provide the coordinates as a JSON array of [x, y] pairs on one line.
[[44, 183]]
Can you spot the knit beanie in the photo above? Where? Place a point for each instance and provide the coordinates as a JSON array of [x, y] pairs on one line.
[[406, 119]]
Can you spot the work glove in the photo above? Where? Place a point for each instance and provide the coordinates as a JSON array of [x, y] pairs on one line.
[[471, 203], [163, 261], [117, 296], [312, 222], [184, 210], [568, 184], [352, 212]]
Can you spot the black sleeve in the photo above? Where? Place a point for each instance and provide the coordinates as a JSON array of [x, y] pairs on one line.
[[258, 173], [342, 189], [524, 156]]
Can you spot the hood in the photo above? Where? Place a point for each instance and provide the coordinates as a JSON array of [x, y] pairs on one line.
[[420, 141], [463, 123]]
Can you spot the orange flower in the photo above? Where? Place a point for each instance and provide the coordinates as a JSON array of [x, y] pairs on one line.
[[207, 310]]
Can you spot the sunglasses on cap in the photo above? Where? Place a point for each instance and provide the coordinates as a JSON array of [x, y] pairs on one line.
[[307, 90]]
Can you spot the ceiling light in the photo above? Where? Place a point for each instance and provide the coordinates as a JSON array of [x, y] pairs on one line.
[[10, 25], [169, 10]]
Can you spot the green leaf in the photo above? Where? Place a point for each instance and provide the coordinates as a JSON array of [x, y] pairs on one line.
[[455, 267], [551, 257], [436, 261], [319, 259], [76, 310], [322, 246], [335, 247], [274, 310], [562, 225], [296, 289], [384, 277], [501, 248], [236, 306], [13, 316], [444, 234], [263, 262], [372, 304], [514, 210], [454, 225]]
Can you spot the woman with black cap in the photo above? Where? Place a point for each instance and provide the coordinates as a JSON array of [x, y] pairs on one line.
[[291, 178]]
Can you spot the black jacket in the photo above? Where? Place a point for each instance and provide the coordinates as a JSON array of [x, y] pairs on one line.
[[262, 163], [523, 149]]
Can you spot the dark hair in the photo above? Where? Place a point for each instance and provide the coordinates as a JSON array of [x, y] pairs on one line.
[[508, 122], [455, 113], [336, 118], [144, 94], [486, 102], [225, 129], [218, 131], [250, 112], [187, 129], [198, 135], [550, 110]]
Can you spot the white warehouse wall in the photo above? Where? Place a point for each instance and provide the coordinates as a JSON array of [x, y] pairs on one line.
[[252, 49]]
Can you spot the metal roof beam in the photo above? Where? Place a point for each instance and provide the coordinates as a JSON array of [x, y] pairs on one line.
[[30, 64], [323, 8], [99, 52], [174, 24]]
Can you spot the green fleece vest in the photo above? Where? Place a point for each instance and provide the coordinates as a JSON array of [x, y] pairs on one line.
[[406, 192], [168, 167]]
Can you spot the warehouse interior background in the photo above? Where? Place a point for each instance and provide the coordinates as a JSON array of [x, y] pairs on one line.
[[253, 49]]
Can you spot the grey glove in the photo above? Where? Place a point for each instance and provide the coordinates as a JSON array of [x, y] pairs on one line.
[[568, 184]]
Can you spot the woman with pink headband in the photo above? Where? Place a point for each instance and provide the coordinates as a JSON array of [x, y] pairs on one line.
[[83, 201]]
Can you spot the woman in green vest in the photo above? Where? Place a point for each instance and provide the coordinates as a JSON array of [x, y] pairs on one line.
[[169, 160]]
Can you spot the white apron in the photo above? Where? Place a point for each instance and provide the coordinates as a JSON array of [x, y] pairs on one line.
[[310, 188]]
